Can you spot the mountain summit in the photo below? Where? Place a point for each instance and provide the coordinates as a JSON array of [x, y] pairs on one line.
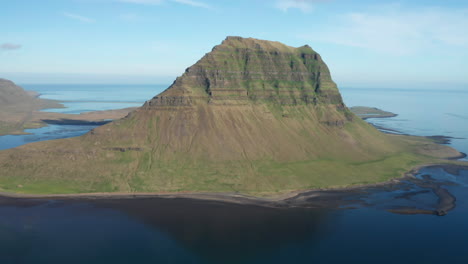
[[246, 99], [241, 70], [251, 116]]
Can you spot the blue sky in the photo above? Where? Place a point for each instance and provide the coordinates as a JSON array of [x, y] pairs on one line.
[[365, 43]]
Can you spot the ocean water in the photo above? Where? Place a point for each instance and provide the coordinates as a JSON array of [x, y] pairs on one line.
[[185, 231], [78, 98], [421, 112]]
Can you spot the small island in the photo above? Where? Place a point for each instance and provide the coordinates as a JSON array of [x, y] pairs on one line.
[[365, 112]]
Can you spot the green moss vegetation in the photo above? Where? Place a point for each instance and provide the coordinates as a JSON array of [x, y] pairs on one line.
[[254, 177]]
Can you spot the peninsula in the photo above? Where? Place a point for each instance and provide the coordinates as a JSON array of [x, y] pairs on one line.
[[365, 112], [20, 109], [251, 117]]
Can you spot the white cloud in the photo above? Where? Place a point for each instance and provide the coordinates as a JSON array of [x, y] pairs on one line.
[[303, 5], [158, 2], [79, 18], [193, 3], [10, 46], [398, 31], [146, 2]]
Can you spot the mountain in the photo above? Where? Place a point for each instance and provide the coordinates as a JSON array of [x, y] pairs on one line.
[[14, 96], [17, 105], [251, 116]]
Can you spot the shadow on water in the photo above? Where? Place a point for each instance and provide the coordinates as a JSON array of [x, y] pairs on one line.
[[220, 232], [74, 122], [123, 230]]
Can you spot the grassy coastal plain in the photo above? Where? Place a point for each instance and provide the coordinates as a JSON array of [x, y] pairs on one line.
[[251, 117]]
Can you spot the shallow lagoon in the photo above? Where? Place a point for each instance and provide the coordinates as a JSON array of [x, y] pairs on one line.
[[44, 133], [187, 231]]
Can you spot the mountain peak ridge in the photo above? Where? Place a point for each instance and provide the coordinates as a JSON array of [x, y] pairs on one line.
[[246, 70]]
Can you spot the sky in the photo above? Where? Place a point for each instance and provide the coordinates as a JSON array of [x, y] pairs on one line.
[[366, 43]]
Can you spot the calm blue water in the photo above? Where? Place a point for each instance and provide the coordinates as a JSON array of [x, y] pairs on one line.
[[45, 133], [184, 231], [85, 98], [420, 112]]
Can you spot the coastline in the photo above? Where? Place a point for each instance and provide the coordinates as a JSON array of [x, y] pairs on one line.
[[310, 198]]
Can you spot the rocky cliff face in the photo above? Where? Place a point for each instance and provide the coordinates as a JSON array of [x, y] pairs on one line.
[[241, 71]]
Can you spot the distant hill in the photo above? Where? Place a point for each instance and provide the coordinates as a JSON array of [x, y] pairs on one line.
[[17, 105], [12, 94], [19, 110], [251, 116]]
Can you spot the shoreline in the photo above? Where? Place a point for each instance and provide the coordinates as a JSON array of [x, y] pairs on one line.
[[439, 139], [297, 198]]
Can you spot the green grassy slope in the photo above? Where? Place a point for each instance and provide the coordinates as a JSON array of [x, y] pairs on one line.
[[117, 159]]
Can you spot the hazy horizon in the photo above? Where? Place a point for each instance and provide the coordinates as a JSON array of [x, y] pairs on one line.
[[365, 43], [151, 80]]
